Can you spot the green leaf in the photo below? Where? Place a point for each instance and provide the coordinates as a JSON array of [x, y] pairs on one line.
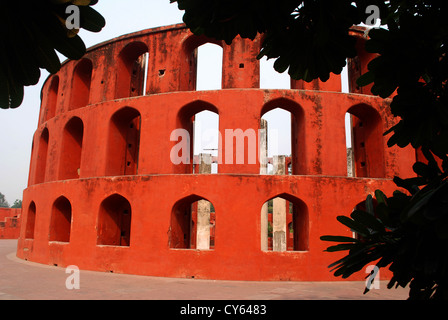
[[73, 48], [91, 20], [406, 184], [366, 79], [281, 65], [367, 220], [380, 197], [379, 34], [417, 204], [353, 225], [338, 239], [341, 247], [421, 169], [369, 205]]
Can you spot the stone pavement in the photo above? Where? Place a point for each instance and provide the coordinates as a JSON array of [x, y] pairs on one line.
[[23, 280]]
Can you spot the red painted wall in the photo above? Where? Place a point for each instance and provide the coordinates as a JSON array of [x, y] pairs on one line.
[[10, 223], [128, 204]]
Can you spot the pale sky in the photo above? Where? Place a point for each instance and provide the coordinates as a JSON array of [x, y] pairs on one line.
[[17, 126]]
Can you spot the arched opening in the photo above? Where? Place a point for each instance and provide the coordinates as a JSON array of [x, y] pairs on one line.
[[284, 123], [365, 146], [61, 220], [345, 79], [114, 222], [278, 128], [285, 224], [52, 98], [200, 122], [124, 142], [82, 78], [30, 221], [72, 138], [132, 71], [270, 78], [202, 67], [193, 222], [205, 142], [41, 161], [209, 67]]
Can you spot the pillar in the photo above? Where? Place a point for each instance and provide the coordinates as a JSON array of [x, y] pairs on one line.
[[264, 171], [203, 211], [279, 211], [350, 154]]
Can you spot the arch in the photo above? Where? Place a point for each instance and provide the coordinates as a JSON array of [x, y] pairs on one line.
[[72, 139], [271, 78], [30, 221], [114, 221], [52, 98], [131, 71], [192, 224], [298, 147], [206, 142], [285, 216], [189, 110], [123, 142], [277, 124], [61, 220], [82, 78], [41, 161], [186, 120], [366, 131], [189, 68], [209, 67]]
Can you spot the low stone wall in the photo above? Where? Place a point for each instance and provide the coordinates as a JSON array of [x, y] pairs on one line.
[[10, 223]]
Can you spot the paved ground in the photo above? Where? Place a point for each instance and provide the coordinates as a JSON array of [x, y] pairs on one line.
[[22, 280]]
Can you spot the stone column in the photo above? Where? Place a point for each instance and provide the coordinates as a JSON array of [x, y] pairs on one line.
[[350, 163], [350, 153], [263, 171], [203, 211], [279, 211]]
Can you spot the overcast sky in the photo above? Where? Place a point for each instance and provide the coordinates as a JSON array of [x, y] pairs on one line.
[[17, 126]]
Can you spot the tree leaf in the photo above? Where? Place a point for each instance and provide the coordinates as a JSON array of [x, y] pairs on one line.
[[366, 79], [338, 239], [91, 20], [353, 225], [367, 220], [341, 247]]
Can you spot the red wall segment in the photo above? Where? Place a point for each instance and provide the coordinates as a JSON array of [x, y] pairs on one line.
[[104, 193]]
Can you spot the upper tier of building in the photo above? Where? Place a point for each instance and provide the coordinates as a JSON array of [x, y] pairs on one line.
[[122, 110], [162, 60]]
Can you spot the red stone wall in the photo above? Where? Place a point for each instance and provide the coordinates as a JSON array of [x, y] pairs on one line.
[[104, 195], [10, 223]]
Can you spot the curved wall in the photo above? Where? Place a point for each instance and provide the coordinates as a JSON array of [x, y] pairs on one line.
[[105, 194]]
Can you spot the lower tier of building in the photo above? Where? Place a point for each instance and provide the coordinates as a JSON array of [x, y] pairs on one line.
[[150, 225]]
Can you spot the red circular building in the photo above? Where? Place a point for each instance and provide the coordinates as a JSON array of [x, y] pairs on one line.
[[112, 186]]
